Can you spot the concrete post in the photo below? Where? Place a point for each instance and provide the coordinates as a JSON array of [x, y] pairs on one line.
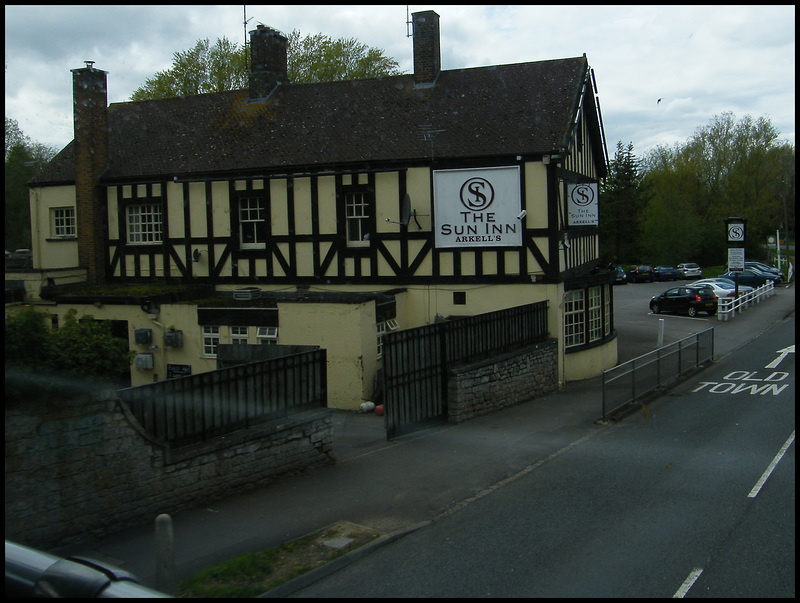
[[165, 557]]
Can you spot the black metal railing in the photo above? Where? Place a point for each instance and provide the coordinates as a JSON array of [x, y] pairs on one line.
[[200, 406], [415, 361]]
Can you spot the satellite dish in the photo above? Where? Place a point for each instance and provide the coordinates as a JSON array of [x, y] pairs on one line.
[[405, 210]]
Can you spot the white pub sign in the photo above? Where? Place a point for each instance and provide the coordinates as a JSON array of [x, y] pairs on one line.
[[477, 207], [582, 204]]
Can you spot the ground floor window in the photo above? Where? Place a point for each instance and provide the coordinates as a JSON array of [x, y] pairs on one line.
[[210, 341], [587, 315]]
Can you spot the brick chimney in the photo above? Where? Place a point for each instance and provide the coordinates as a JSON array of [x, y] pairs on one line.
[[90, 110], [268, 63], [427, 55]]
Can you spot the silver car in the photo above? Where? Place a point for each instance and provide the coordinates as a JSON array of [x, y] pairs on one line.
[[690, 270]]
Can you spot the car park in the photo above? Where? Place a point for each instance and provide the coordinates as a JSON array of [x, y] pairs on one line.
[[753, 277], [689, 270], [665, 273], [621, 278], [688, 300], [723, 288], [639, 273]]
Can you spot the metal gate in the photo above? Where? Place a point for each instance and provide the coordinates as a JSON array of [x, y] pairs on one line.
[[416, 361]]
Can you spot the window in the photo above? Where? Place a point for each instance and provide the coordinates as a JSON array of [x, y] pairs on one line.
[[383, 328], [587, 316], [62, 222], [357, 215], [239, 335], [595, 313], [574, 318], [267, 335], [144, 223], [210, 341], [252, 222]]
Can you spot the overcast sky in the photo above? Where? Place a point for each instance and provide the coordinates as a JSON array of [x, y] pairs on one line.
[[700, 61]]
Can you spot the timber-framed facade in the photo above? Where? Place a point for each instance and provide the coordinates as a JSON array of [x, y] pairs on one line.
[[349, 208]]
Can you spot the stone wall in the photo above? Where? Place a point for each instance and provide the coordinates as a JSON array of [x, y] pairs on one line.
[[82, 467], [490, 385]]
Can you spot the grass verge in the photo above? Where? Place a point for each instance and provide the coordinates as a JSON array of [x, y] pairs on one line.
[[251, 574]]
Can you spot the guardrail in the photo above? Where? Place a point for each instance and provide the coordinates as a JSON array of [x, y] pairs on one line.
[[727, 308], [632, 380]]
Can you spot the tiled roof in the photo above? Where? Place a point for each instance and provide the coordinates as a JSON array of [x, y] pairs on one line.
[[518, 109]]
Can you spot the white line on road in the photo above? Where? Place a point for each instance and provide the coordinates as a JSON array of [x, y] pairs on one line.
[[688, 583], [754, 492]]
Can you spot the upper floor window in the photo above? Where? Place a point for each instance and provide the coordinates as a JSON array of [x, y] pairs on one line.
[[239, 335], [145, 223], [62, 222], [252, 222], [358, 216]]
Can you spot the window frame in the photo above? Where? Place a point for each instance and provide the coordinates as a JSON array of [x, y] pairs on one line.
[[258, 224], [211, 340], [155, 233], [358, 214], [239, 337], [70, 227]]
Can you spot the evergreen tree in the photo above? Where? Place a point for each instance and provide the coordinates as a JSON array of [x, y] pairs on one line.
[[623, 197]]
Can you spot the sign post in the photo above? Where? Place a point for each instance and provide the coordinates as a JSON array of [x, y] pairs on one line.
[[735, 229]]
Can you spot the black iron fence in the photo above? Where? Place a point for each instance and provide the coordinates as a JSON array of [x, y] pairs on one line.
[[200, 406], [628, 382], [415, 361]]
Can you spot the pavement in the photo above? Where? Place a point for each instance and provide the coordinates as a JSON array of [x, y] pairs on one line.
[[400, 485]]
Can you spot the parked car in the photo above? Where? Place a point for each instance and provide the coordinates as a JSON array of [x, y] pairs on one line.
[[763, 268], [722, 287], [753, 277], [639, 273], [690, 270], [690, 300], [621, 278], [665, 273]]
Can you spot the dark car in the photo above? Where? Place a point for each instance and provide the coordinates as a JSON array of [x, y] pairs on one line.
[[639, 273], [665, 273], [764, 268], [689, 300], [753, 277], [621, 278]]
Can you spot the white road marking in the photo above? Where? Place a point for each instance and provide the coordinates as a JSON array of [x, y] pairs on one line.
[[764, 476], [783, 354], [688, 583]]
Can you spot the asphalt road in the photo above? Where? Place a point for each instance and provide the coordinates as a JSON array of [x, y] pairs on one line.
[[691, 498]]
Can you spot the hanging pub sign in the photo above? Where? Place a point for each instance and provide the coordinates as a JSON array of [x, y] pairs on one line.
[[477, 207], [582, 204]]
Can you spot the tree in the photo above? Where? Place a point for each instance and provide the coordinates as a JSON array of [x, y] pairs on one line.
[[319, 58], [82, 351], [623, 196], [726, 168], [23, 159], [223, 66]]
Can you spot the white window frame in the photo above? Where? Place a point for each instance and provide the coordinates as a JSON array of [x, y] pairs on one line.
[[145, 223], [382, 328], [239, 335], [267, 335], [62, 223], [357, 215], [595, 313], [210, 341], [574, 316], [252, 220]]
